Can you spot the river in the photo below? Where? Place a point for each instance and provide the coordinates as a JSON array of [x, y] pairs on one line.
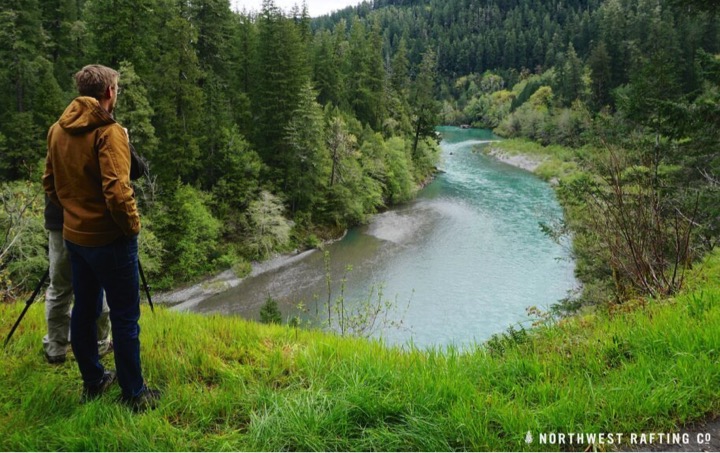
[[458, 264]]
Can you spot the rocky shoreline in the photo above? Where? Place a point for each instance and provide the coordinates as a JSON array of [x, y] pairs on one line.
[[524, 161], [184, 299]]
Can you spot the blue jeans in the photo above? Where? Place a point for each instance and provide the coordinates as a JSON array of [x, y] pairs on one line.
[[113, 268]]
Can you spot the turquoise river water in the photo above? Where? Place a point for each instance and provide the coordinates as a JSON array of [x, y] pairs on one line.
[[460, 263]]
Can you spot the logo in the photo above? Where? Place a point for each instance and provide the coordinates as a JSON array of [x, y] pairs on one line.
[[528, 438]]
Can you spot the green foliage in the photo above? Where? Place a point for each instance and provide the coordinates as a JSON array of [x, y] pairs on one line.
[[366, 85], [23, 239], [570, 82], [355, 188], [233, 174], [29, 93], [134, 111], [270, 313], [238, 385], [229, 104], [151, 249], [177, 102], [267, 228], [305, 164], [514, 35], [189, 233], [399, 170], [511, 339], [242, 268], [599, 64], [281, 75], [425, 108]]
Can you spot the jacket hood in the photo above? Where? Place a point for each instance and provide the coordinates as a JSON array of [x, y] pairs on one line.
[[84, 114]]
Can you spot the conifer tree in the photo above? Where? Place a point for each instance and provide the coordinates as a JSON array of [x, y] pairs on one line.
[[281, 75], [599, 63], [366, 83], [307, 163], [125, 30], [135, 112], [570, 84], [68, 35], [30, 97], [178, 100], [400, 77], [425, 108]]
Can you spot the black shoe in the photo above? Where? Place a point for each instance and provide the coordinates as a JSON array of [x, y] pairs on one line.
[[91, 392], [55, 359], [147, 399]]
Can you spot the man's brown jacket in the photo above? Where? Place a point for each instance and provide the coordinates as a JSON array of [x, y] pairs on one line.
[[87, 173]]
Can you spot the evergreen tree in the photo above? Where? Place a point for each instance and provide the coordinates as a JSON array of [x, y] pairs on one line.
[[327, 70], [599, 63], [270, 313], [281, 76], [400, 76], [213, 21], [68, 38], [178, 101], [30, 97], [570, 84], [307, 165], [366, 84], [125, 30], [134, 111], [425, 108], [243, 52]]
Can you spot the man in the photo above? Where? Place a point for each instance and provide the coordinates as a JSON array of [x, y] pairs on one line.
[[58, 297], [87, 173]]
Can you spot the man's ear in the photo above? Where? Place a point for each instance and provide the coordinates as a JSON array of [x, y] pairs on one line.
[[108, 92]]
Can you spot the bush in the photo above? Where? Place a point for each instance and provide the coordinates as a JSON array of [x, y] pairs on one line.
[[189, 233], [399, 183], [242, 268], [267, 229], [23, 244], [270, 313]]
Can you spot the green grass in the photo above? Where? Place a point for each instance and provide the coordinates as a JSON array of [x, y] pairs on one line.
[[234, 385], [557, 161]]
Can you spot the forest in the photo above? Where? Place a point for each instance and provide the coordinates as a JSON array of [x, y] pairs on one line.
[[270, 131], [247, 155]]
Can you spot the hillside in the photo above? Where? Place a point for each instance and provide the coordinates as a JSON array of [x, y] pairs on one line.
[[233, 385]]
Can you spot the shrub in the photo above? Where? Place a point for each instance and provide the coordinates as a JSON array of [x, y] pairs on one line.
[[189, 233], [270, 313], [267, 228], [23, 242]]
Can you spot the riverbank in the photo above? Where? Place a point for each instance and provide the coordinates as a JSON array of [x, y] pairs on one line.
[[185, 299], [555, 162], [188, 297], [551, 163], [526, 162], [230, 384]]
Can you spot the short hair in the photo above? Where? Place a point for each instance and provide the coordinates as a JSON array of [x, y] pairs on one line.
[[94, 79]]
